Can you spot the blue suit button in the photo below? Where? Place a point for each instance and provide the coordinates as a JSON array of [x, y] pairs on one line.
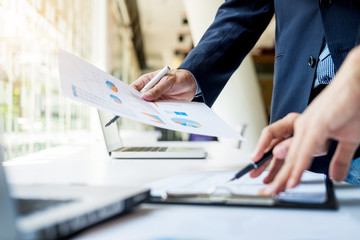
[[325, 3], [311, 61]]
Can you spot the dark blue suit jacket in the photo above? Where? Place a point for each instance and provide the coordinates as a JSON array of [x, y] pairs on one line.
[[301, 29]]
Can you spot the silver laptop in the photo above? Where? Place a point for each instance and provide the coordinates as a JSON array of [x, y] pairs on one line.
[[52, 212], [116, 149]]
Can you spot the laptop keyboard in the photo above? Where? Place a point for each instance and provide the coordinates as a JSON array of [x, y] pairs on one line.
[[27, 206], [143, 149]]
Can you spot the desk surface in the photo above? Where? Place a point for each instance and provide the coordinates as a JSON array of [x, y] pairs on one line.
[[91, 165]]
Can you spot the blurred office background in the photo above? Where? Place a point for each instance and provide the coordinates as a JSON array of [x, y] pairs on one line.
[[123, 37]]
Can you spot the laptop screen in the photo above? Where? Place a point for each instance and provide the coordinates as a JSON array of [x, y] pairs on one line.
[[111, 133]]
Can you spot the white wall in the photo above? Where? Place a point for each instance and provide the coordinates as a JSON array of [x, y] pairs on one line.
[[240, 102]]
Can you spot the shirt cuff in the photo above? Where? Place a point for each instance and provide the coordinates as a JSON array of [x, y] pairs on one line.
[[198, 90]]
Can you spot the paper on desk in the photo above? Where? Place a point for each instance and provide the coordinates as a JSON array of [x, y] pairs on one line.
[[312, 188], [85, 83]]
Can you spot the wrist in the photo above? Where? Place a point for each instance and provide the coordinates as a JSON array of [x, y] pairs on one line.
[[192, 78]]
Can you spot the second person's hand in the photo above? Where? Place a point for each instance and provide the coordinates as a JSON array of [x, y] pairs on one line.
[[178, 85], [278, 136], [334, 114], [272, 136]]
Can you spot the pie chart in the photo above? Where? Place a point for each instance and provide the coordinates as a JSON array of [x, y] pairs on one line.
[[186, 122], [115, 98], [111, 86]]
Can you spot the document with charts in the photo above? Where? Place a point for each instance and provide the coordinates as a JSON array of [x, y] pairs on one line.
[[88, 84]]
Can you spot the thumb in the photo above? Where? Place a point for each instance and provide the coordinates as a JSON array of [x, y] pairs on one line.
[[143, 80], [341, 160]]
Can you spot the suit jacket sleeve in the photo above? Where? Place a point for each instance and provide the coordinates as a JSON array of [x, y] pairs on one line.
[[237, 26]]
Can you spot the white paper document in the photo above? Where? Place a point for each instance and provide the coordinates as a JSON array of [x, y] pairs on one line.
[[87, 84], [312, 188]]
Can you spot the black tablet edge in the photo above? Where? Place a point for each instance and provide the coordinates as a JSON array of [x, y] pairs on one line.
[[329, 204]]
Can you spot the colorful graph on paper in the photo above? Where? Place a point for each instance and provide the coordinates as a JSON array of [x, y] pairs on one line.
[[111, 86], [186, 122], [178, 113], [90, 85], [115, 98], [154, 118]]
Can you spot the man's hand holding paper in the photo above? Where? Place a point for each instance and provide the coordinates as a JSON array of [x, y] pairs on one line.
[[176, 85], [85, 83]]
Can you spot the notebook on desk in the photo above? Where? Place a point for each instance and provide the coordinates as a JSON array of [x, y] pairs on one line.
[[214, 188], [116, 149], [58, 211]]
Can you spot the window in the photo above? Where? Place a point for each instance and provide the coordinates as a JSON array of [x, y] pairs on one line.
[[33, 113]]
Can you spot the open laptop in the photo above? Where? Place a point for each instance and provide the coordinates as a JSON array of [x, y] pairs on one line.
[[52, 212], [116, 149]]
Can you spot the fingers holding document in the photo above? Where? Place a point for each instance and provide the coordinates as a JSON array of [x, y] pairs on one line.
[[176, 84]]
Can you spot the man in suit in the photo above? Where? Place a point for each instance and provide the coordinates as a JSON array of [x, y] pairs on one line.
[[312, 40]]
